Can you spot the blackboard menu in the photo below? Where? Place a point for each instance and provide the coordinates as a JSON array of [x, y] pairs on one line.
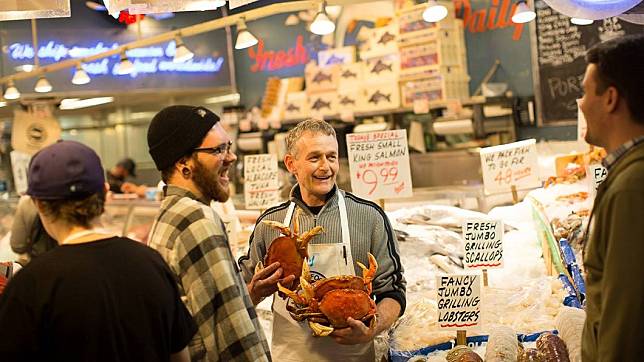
[[560, 50]]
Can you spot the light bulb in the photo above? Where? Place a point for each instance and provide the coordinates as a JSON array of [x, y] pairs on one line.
[[80, 76], [245, 39], [523, 13], [43, 85], [181, 52], [11, 92], [580, 21], [322, 25], [435, 12], [125, 66]]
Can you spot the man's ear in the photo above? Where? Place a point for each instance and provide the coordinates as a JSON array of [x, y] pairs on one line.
[[611, 99], [289, 162]]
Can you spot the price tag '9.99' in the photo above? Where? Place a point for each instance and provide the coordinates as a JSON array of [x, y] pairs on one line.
[[379, 164]]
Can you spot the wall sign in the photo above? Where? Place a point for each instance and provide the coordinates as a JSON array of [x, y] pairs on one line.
[[261, 188], [483, 244], [379, 164], [459, 301], [512, 164]]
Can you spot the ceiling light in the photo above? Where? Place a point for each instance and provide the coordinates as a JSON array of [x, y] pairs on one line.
[[321, 24], [11, 92], [244, 37], [2, 104], [232, 97], [125, 66], [75, 103], [522, 13], [80, 76], [24, 68], [580, 21], [434, 12], [43, 85], [333, 11], [219, 3], [292, 20], [181, 52]]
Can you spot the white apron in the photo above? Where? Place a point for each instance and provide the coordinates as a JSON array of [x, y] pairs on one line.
[[292, 340]]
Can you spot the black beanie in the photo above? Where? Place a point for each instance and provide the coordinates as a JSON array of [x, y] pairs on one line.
[[175, 131]]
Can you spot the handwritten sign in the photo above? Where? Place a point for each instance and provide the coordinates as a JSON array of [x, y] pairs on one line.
[[379, 164], [260, 181], [459, 301], [513, 164], [483, 244], [597, 174]]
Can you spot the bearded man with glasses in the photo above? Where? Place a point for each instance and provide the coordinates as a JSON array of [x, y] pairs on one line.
[[193, 152]]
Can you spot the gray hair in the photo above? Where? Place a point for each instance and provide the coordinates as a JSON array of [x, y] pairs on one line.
[[314, 126]]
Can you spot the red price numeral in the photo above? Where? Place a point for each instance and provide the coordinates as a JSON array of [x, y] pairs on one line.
[[370, 178], [389, 174], [504, 177]]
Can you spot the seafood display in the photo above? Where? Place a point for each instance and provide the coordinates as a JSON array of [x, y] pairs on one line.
[[502, 345], [327, 303], [290, 250], [552, 348], [570, 324]]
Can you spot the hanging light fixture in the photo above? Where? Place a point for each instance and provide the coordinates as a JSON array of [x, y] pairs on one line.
[[580, 21], [219, 3], [245, 39], [11, 92], [125, 66], [434, 12], [43, 85], [80, 76], [181, 51], [321, 24], [523, 13]]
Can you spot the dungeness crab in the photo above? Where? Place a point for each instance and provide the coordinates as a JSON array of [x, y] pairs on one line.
[[327, 303], [289, 250]]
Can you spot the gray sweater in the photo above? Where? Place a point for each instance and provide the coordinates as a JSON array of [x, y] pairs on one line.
[[370, 232]]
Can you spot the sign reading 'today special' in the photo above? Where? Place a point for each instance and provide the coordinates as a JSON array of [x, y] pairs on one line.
[[379, 164]]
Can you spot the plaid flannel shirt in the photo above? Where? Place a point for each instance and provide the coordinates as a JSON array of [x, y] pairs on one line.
[[192, 239], [612, 158]]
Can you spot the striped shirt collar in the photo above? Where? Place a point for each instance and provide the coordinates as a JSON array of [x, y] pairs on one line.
[[614, 156]]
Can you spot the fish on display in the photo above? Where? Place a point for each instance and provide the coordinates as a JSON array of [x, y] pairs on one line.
[[348, 74], [319, 104], [380, 66], [379, 97], [292, 108], [321, 77], [334, 59], [386, 38], [346, 100]]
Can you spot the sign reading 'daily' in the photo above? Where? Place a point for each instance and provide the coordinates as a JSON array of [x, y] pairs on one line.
[[459, 301], [483, 244], [261, 188], [512, 164], [379, 164]]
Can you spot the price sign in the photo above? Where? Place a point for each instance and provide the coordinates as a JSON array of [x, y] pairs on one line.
[[20, 166], [483, 244], [261, 188], [597, 174], [459, 301], [513, 164], [379, 164]]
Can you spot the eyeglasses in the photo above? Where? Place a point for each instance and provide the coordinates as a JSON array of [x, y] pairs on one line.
[[222, 149]]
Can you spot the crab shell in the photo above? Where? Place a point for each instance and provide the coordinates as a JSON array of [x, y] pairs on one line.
[[339, 304], [284, 250]]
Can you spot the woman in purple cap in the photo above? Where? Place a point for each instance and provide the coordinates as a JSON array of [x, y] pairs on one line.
[[96, 297]]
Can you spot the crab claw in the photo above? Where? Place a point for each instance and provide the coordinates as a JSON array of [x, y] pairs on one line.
[[291, 294], [279, 226], [306, 270], [303, 241], [307, 291], [259, 266], [296, 223], [369, 273], [320, 330]]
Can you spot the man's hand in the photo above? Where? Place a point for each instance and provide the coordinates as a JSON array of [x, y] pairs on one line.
[[264, 282], [356, 333]]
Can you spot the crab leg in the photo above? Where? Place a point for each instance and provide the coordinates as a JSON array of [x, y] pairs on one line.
[[279, 226], [320, 330], [296, 223], [306, 270], [369, 273], [303, 241], [291, 294]]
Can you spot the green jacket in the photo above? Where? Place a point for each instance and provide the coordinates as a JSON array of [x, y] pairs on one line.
[[614, 262]]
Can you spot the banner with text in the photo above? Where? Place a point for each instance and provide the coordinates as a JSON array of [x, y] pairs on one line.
[[379, 164], [483, 244], [459, 301], [513, 164], [261, 189]]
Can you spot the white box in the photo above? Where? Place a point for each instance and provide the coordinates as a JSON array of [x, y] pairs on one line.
[[382, 69], [324, 103], [350, 76], [320, 79], [344, 55], [296, 106], [381, 96]]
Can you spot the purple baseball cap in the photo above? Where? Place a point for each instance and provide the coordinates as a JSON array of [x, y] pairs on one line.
[[65, 170]]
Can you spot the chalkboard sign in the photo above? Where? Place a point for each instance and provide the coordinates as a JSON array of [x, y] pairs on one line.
[[558, 59]]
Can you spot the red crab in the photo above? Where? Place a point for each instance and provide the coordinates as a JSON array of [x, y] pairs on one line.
[[328, 303], [289, 250]]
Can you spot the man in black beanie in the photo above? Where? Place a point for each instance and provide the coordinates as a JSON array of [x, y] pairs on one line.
[[192, 150]]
